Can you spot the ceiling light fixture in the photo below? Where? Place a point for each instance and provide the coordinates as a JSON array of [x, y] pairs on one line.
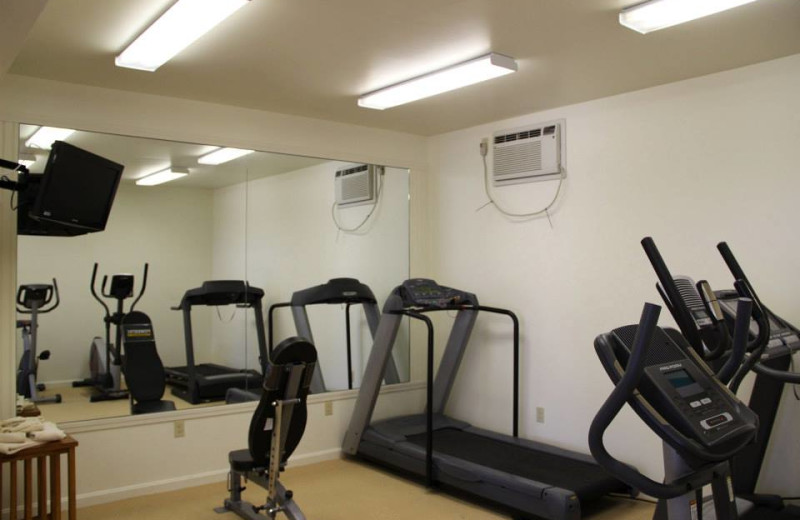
[[223, 155], [179, 27], [450, 78], [659, 14], [43, 138], [160, 177]]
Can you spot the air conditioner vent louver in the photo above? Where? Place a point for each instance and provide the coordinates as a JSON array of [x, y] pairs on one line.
[[356, 185], [527, 154]]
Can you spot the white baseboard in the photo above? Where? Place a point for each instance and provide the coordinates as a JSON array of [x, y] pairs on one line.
[[160, 486]]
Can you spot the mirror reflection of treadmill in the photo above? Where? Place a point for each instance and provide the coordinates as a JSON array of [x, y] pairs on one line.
[[517, 474], [337, 291], [202, 382]]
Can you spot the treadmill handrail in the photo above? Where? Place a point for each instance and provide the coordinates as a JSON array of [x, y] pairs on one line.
[[418, 314]]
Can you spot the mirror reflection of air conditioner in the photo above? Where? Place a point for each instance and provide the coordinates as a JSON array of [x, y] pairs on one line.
[[356, 185], [527, 154]]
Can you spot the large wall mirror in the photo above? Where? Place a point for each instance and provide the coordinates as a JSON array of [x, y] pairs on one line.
[[271, 220]]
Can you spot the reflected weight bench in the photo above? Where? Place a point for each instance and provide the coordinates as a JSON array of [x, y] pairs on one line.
[[275, 431]]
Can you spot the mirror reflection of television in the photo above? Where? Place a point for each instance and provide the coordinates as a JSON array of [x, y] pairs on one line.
[[77, 189], [30, 227]]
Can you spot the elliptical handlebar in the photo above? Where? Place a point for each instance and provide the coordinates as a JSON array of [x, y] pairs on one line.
[[109, 293], [622, 392], [94, 292], [673, 298], [744, 308], [141, 291], [628, 389]]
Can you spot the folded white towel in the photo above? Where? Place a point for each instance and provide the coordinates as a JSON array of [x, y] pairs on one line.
[[12, 448], [21, 424], [49, 432], [12, 438], [21, 433]]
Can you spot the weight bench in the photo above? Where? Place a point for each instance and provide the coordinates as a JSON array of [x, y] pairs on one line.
[[275, 431]]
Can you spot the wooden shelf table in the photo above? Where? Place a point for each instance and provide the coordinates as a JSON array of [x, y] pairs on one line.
[[49, 450]]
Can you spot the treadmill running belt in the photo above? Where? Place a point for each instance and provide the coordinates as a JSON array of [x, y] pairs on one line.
[[587, 480]]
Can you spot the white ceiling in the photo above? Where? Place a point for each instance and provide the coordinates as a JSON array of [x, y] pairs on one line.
[[314, 57]]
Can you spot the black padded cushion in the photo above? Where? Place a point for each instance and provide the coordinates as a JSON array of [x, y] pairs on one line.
[[241, 460], [144, 371], [290, 351]]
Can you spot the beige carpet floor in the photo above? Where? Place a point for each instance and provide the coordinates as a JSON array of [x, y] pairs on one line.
[[335, 490]]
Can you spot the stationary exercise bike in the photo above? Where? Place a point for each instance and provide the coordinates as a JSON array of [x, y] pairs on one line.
[[34, 300], [105, 358]]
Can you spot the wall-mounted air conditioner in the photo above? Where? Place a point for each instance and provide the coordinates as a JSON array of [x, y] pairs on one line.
[[530, 153], [356, 185]]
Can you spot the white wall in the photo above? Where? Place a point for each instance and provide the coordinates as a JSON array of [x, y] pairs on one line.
[[691, 163], [168, 227], [292, 243]]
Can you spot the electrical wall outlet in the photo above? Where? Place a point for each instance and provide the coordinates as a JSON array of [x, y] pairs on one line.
[[328, 407], [180, 429], [539, 414]]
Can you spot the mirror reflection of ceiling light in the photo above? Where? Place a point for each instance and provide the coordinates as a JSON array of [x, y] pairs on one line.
[[26, 159], [444, 80], [170, 174], [223, 155], [43, 138], [660, 14], [179, 27]]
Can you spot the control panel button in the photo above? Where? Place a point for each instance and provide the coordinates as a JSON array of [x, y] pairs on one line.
[[695, 404], [717, 420], [705, 400]]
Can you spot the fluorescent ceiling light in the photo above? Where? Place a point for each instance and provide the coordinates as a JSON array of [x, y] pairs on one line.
[[223, 155], [170, 174], [659, 14], [450, 78], [43, 138], [179, 27]]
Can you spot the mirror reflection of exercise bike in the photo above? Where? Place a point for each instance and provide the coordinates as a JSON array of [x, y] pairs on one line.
[[105, 358], [33, 299]]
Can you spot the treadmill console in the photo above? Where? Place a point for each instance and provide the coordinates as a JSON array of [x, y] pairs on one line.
[[783, 339], [427, 294], [678, 389]]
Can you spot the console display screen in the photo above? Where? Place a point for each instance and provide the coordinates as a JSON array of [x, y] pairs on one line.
[[679, 378]]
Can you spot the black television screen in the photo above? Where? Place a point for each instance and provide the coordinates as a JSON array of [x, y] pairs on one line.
[[77, 188], [28, 226]]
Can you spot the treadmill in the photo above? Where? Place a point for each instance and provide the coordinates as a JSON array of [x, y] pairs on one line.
[[204, 382], [526, 477], [347, 291]]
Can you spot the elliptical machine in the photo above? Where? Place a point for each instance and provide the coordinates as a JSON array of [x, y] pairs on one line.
[[33, 299], [703, 425], [105, 359]]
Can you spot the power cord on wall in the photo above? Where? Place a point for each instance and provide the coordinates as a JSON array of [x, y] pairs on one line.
[[338, 225], [484, 148], [13, 193]]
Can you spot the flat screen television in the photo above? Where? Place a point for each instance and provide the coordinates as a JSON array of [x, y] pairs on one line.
[[28, 226], [77, 189]]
